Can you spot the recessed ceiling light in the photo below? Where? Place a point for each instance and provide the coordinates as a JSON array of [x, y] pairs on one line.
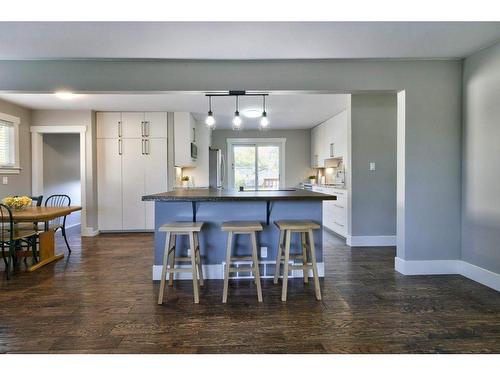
[[66, 95], [252, 113]]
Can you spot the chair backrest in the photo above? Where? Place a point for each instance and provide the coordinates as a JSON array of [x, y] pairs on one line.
[[37, 200], [6, 224], [58, 200]]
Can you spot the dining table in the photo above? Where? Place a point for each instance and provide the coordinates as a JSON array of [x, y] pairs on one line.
[[46, 235]]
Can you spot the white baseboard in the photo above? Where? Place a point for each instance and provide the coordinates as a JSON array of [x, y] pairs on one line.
[[371, 240], [89, 232], [448, 267], [426, 267], [480, 275], [216, 271]]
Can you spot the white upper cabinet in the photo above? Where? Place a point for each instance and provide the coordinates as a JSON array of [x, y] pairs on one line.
[[184, 139], [329, 140], [132, 124], [155, 124], [109, 124]]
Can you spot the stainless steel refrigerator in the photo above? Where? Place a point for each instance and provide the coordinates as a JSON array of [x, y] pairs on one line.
[[216, 168]]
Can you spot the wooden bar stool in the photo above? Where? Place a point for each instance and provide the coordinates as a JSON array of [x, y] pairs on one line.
[[242, 227], [174, 229], [305, 229]]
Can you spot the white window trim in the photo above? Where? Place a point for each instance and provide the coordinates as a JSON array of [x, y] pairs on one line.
[[16, 169], [254, 141]]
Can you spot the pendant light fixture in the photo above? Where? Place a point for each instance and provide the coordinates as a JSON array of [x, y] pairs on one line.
[[264, 121], [210, 120], [237, 119]]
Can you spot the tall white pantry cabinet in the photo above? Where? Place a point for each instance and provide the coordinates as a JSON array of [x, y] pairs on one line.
[[131, 162]]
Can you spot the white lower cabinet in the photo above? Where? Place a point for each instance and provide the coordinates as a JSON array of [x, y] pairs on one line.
[[335, 212], [134, 212], [127, 169], [109, 186]]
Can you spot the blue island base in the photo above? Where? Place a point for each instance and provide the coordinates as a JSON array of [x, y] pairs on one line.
[[213, 240]]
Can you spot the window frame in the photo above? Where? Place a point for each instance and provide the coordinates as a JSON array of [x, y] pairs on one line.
[[281, 142], [16, 168]]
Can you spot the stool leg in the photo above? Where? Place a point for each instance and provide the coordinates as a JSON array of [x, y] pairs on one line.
[[164, 268], [256, 272], [198, 258], [172, 259], [285, 266], [317, 289], [194, 271], [278, 257], [228, 264], [304, 256]]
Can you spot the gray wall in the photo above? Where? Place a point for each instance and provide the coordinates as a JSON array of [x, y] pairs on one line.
[[297, 149], [61, 169], [19, 184], [481, 158], [373, 132], [433, 116]]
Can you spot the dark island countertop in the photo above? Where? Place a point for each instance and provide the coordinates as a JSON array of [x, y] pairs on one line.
[[217, 195]]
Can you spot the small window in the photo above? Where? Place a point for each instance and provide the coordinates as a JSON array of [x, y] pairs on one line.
[[9, 153]]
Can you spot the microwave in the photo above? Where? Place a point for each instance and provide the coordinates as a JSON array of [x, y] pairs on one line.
[[194, 151]]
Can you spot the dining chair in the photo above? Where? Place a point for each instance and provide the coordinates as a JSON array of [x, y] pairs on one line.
[[10, 236], [37, 200], [59, 200]]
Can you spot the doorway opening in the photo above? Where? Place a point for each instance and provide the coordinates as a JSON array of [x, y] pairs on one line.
[[58, 155], [61, 170]]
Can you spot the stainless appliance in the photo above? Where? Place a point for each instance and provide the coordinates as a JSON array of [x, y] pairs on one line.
[[194, 151], [216, 168]]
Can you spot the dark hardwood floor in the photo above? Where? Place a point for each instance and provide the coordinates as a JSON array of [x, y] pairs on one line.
[[101, 300]]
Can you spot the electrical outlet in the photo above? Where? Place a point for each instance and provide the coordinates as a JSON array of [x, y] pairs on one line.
[[263, 252], [5, 180], [372, 166], [189, 252]]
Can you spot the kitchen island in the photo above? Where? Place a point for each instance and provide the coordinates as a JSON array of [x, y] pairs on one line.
[[214, 206]]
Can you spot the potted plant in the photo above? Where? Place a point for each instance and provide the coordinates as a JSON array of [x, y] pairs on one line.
[[185, 181], [312, 179]]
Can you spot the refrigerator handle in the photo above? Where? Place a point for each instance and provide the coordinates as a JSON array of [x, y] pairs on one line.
[[223, 169]]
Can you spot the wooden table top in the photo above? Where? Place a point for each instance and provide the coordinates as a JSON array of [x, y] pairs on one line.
[[33, 214]]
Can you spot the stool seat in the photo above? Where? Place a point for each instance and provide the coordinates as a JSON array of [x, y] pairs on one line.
[[296, 225], [181, 226], [241, 226]]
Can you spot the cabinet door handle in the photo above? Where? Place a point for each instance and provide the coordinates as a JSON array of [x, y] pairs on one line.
[[142, 128], [340, 225], [194, 135], [146, 128], [146, 146], [331, 150], [338, 205], [119, 128], [142, 146], [119, 147]]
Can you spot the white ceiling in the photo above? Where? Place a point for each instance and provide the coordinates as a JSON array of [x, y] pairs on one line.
[[285, 111], [244, 40]]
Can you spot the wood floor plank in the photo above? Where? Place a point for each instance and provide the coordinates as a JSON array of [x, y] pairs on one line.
[[101, 300]]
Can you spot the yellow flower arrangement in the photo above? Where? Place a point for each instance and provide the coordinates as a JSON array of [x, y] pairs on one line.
[[17, 203]]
